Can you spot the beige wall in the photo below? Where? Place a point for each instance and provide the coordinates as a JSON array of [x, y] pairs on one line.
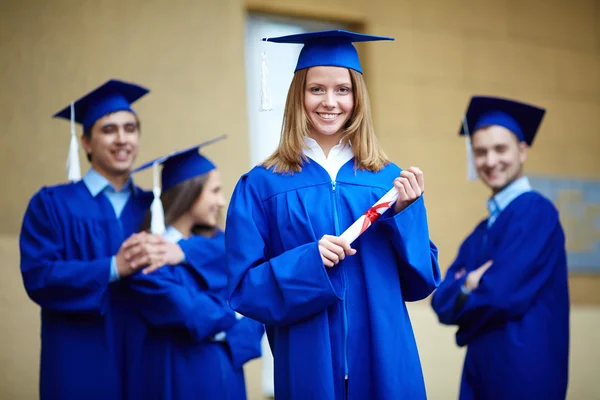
[[53, 51], [191, 54], [544, 52], [445, 51]]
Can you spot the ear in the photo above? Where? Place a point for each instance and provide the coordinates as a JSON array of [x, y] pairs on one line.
[[523, 149]]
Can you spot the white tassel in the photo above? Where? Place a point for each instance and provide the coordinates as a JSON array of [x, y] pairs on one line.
[[471, 170], [265, 96], [73, 167], [157, 221]]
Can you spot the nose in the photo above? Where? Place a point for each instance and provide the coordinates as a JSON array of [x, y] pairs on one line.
[[221, 201], [329, 100], [121, 135], [491, 159]]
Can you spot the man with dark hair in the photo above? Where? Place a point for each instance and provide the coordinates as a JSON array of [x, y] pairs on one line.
[[78, 240], [507, 290]]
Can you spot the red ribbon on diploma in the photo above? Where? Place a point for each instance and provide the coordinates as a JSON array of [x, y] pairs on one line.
[[372, 214]]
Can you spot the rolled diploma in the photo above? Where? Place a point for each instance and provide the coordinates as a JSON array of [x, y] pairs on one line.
[[372, 214]]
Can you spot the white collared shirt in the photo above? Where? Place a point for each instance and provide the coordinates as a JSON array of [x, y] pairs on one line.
[[339, 155], [172, 235], [501, 200]]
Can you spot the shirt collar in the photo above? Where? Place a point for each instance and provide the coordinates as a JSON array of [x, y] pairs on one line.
[[173, 235], [313, 146], [501, 200], [96, 183]]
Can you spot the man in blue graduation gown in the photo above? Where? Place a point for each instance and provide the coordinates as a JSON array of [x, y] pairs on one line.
[[77, 243], [507, 290]]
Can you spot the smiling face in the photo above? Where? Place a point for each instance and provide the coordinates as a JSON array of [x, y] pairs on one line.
[[113, 143], [498, 156], [206, 209], [328, 101]]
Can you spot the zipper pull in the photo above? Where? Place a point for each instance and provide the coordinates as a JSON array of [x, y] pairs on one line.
[[333, 185]]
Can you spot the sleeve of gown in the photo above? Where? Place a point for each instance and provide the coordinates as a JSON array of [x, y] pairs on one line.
[[279, 290], [244, 340], [446, 296], [51, 281], [418, 255], [163, 300], [204, 255], [521, 267]]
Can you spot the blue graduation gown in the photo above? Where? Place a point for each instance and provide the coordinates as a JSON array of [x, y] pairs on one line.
[[326, 323], [67, 240], [516, 323], [183, 307]]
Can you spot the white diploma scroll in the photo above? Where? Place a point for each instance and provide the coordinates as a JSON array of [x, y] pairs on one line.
[[370, 216]]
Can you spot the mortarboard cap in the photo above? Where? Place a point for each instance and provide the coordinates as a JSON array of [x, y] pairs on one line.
[[182, 165], [178, 167], [332, 48], [112, 96], [522, 119]]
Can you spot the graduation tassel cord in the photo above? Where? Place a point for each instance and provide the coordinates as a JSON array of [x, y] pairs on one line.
[[73, 167], [157, 221], [265, 96], [471, 170]]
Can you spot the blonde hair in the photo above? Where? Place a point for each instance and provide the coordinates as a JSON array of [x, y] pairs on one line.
[[289, 158]]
